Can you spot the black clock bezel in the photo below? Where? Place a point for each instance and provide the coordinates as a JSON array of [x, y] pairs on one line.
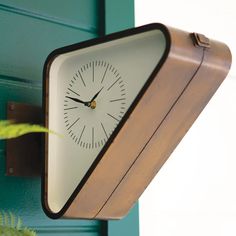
[[78, 46]]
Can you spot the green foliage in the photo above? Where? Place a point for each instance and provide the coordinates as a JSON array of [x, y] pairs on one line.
[[10, 225], [10, 130]]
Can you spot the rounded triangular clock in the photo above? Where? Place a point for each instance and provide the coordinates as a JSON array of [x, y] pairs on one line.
[[121, 104]]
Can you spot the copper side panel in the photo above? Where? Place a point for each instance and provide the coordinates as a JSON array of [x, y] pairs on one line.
[[153, 130], [213, 70]]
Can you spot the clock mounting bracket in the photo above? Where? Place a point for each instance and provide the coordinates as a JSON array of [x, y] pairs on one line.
[[23, 157]]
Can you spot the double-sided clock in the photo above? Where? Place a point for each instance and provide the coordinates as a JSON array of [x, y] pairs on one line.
[[120, 105]]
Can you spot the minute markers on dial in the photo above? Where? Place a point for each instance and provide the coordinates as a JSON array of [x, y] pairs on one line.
[[81, 134], [104, 73], [82, 79], [93, 71], [117, 100], [113, 117], [104, 130], [92, 137], [113, 83], [73, 92], [74, 123], [70, 108], [94, 81]]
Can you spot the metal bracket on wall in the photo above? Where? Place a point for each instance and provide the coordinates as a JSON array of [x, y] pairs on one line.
[[23, 157]]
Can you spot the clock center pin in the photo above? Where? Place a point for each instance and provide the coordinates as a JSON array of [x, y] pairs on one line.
[[93, 104]]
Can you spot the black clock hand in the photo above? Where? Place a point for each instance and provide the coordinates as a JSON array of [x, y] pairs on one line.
[[96, 94], [91, 103], [80, 101]]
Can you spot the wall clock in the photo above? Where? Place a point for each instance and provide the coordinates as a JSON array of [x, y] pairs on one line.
[[121, 104]]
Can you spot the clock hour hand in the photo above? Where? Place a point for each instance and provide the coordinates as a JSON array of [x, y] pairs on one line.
[[80, 101]]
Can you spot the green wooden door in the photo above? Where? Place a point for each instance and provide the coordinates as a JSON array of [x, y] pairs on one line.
[[29, 31]]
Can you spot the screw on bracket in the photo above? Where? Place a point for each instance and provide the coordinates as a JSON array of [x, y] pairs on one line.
[[11, 170], [11, 107]]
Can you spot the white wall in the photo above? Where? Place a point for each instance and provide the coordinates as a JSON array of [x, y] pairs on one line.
[[195, 191]]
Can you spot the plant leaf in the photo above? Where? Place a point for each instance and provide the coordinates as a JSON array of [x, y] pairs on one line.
[[12, 219], [28, 232], [9, 130], [19, 224], [12, 225], [1, 218], [6, 219]]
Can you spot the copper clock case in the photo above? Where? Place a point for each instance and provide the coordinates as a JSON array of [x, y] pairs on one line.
[[184, 80]]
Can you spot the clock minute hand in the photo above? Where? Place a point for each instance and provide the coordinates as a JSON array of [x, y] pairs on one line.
[[96, 94], [78, 100]]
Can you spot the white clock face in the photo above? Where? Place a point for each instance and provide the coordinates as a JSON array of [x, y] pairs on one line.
[[90, 90], [94, 103]]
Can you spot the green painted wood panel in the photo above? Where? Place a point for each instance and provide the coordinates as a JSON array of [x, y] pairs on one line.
[[119, 15], [129, 226], [29, 31], [27, 40], [79, 14]]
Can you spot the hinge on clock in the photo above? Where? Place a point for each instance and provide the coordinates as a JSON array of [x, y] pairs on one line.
[[200, 40]]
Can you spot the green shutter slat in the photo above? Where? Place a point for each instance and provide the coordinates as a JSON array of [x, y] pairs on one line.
[[50, 19], [119, 15], [30, 30], [129, 226], [25, 43], [76, 12]]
